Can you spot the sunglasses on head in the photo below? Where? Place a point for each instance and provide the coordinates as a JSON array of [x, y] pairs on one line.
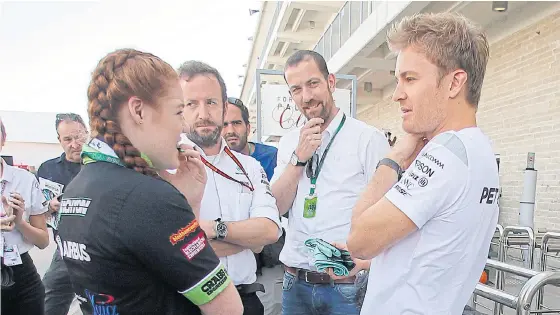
[[235, 101], [68, 116]]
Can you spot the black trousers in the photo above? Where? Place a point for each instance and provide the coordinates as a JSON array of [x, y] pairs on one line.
[[251, 304], [27, 295]]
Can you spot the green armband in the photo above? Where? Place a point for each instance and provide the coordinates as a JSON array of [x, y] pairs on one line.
[[209, 287]]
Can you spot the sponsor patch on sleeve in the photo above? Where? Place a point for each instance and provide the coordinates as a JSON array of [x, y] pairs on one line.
[[194, 246], [183, 232], [209, 287]]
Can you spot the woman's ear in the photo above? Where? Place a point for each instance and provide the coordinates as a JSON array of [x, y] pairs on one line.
[[136, 109]]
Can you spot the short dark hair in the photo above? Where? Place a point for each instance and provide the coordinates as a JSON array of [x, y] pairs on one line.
[[60, 117], [192, 68], [239, 104], [302, 55]]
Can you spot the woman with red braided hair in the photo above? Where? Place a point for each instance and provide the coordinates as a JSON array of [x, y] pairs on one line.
[[128, 229]]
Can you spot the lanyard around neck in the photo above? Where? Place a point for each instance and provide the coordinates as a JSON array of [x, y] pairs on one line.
[[97, 150], [315, 175], [248, 184]]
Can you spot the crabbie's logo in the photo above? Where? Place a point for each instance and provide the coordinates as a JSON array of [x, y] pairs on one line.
[[183, 232]]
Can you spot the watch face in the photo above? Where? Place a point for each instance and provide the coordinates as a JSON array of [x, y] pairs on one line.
[[221, 229], [293, 159]]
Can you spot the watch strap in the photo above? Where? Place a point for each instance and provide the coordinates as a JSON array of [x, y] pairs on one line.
[[392, 164], [298, 162]]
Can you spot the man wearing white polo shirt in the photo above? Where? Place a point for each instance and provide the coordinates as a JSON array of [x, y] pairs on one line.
[[429, 232], [321, 170], [238, 212]]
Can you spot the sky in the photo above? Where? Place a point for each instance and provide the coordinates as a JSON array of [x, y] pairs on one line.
[[48, 49]]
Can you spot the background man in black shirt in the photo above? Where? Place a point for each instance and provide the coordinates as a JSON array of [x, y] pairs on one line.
[[72, 133]]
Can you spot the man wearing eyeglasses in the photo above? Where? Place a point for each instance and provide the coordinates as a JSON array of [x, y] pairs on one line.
[[269, 268], [322, 169], [238, 212], [54, 175]]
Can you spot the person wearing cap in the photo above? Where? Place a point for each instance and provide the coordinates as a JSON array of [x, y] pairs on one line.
[[72, 134], [23, 227], [269, 268], [238, 211]]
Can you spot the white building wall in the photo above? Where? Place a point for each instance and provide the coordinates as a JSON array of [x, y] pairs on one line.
[[31, 153]]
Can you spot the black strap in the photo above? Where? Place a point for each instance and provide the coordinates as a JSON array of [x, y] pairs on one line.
[[245, 289]]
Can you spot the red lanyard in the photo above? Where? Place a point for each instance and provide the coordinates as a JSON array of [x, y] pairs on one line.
[[220, 172]]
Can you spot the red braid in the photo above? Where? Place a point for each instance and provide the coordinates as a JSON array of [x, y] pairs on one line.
[[119, 76]]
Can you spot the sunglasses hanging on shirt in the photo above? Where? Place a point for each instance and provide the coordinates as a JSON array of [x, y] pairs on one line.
[[312, 165]]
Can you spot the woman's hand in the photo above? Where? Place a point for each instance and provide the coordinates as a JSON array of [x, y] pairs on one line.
[[7, 223], [190, 178], [14, 206], [16, 202]]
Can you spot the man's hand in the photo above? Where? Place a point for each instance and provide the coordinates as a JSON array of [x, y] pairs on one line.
[[406, 149], [208, 227], [309, 139], [54, 205], [360, 264]]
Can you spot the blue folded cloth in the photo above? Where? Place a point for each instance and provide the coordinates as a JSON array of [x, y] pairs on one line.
[[328, 256]]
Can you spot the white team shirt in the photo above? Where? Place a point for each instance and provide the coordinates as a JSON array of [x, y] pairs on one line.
[[231, 201], [23, 182], [451, 193], [349, 165]]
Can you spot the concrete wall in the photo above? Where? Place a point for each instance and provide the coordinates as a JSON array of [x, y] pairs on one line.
[[520, 112], [31, 153]]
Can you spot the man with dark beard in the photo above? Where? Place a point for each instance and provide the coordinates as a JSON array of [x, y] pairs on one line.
[[238, 211], [322, 169], [269, 268], [236, 132]]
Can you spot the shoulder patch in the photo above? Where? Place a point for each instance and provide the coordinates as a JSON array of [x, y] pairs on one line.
[[454, 144]]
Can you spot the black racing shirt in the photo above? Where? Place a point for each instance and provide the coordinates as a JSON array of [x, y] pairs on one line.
[[59, 170], [132, 245]]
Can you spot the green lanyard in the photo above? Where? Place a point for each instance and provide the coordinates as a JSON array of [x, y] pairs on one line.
[[96, 151], [315, 174]]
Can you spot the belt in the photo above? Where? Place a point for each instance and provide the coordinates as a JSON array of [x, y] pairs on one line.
[[314, 277], [246, 289]]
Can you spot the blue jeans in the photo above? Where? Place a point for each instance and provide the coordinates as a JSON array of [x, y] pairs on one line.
[[302, 298]]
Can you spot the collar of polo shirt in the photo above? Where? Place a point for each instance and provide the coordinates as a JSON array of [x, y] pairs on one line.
[[7, 172], [223, 146]]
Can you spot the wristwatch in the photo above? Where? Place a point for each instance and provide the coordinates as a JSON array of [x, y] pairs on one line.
[[392, 164], [221, 229], [294, 160]]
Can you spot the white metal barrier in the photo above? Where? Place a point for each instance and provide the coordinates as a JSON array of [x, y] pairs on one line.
[[522, 238], [522, 302], [550, 244], [497, 242]]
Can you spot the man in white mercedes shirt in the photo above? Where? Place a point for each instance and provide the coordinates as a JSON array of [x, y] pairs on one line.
[[429, 232]]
